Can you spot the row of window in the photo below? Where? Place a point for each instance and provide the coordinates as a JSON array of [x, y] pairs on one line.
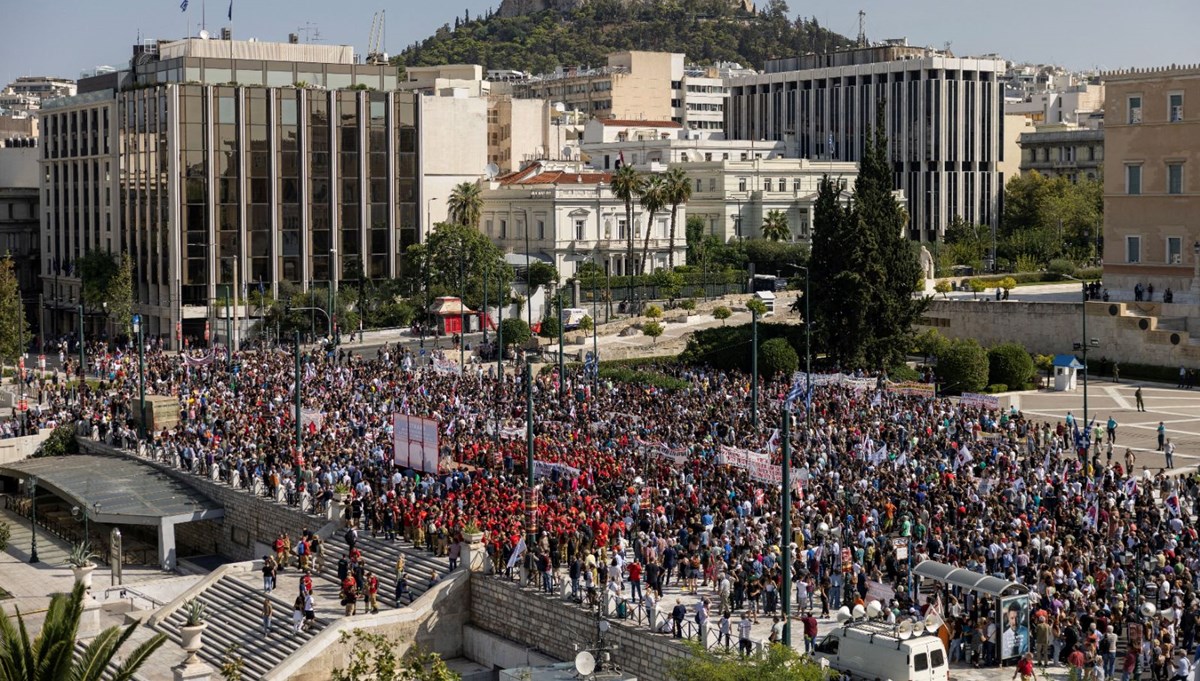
[[1173, 251], [579, 229], [1174, 108], [1133, 178]]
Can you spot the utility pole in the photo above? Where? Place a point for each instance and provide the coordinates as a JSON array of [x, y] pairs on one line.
[[531, 499], [562, 376], [82, 357], [786, 544], [754, 370]]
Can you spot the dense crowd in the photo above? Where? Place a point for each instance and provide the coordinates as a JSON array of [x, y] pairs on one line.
[[636, 492]]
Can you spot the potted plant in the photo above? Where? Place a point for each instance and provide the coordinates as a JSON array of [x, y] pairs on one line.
[[472, 533], [193, 628], [80, 560], [337, 505]]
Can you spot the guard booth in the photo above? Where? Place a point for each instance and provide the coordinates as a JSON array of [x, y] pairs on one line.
[[1011, 604], [450, 314], [768, 299], [1066, 371]]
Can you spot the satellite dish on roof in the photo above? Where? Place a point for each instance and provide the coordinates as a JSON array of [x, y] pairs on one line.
[[585, 663], [203, 34], [491, 170]]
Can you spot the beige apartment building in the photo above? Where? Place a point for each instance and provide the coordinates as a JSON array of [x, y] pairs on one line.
[[1152, 181]]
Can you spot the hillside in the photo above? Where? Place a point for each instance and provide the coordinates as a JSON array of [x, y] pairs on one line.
[[706, 30]]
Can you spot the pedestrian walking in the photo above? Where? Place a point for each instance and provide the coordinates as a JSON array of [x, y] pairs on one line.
[[267, 610], [744, 644], [1169, 451], [1137, 396], [1162, 434], [297, 614]]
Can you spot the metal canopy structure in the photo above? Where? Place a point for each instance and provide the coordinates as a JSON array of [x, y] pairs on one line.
[[128, 493], [966, 579]]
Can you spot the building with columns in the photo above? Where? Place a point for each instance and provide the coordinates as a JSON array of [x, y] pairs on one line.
[[943, 116], [215, 161], [564, 214]]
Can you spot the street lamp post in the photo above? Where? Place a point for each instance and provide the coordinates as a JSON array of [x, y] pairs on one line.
[[462, 312], [299, 427], [31, 484], [499, 330], [137, 330], [754, 369], [1084, 344], [562, 376], [531, 502], [82, 357]]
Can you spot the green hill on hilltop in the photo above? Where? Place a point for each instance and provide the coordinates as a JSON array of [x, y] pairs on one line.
[[707, 31]]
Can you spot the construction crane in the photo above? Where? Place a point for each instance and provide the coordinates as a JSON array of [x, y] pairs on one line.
[[375, 46]]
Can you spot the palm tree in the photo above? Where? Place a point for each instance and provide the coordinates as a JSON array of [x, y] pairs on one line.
[[775, 226], [679, 190], [465, 204], [626, 184], [654, 198], [51, 656]]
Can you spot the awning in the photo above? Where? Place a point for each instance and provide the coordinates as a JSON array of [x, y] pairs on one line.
[[519, 259], [966, 579]]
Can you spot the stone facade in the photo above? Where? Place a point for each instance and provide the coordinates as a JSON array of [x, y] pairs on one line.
[[555, 628], [1138, 333]]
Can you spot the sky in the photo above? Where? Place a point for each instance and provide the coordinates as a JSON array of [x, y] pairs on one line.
[[64, 37]]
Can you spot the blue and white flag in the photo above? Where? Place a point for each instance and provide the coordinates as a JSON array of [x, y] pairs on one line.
[[231, 10], [183, 6]]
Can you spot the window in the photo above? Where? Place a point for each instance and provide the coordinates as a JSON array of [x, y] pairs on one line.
[[580, 226], [1135, 109], [741, 184], [767, 186], [504, 229], [487, 227], [1175, 107], [541, 229], [1174, 178], [712, 184], [622, 225], [1133, 249], [936, 658], [1133, 179], [920, 662], [783, 184], [795, 184], [1174, 250], [698, 183]]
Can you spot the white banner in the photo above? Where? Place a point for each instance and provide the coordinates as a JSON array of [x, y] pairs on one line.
[[415, 443], [977, 400], [544, 469]]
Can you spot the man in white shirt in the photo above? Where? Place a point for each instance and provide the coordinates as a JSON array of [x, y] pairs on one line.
[[744, 644]]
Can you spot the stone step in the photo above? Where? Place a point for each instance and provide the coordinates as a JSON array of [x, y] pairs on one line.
[[233, 615], [111, 668], [380, 556]]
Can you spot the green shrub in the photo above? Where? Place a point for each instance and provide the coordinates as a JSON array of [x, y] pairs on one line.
[[903, 373], [1059, 269], [721, 312], [996, 388], [777, 356], [688, 304], [727, 348], [60, 443], [962, 366], [5, 535], [623, 374], [515, 332], [1009, 364], [652, 329], [1090, 273], [549, 328], [653, 312]]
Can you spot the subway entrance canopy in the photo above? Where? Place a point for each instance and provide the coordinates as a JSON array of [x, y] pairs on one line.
[[968, 580], [128, 493]]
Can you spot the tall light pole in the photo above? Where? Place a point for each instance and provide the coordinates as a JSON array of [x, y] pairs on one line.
[[499, 332], [754, 369], [786, 479], [82, 357], [1084, 344], [462, 311], [333, 285], [31, 488], [137, 330], [531, 502], [562, 376], [299, 427]]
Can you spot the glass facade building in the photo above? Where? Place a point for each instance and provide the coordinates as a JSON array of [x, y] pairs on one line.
[[301, 172]]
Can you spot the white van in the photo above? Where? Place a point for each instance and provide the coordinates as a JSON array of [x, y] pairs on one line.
[[572, 316], [872, 650]]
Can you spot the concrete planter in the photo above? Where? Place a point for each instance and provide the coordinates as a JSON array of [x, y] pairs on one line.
[[336, 509], [191, 639], [473, 537], [83, 575]]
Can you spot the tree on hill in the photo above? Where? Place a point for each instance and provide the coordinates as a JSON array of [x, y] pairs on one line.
[[707, 31]]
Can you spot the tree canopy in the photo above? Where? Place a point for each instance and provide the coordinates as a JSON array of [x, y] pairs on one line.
[[453, 258], [707, 31], [14, 327], [865, 270], [780, 663], [1047, 218]]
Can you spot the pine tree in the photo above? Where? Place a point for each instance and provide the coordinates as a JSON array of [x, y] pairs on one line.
[[14, 327], [864, 271]]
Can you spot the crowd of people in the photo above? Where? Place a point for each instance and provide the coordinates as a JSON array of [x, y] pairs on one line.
[[636, 491]]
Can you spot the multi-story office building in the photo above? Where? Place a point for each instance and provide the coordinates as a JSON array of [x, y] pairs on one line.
[[1063, 151], [19, 219], [210, 161], [656, 86], [943, 118], [1152, 181]]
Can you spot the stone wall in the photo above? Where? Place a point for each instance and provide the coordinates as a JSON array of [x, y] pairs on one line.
[[555, 628], [248, 521], [1125, 332], [16, 449], [434, 622]]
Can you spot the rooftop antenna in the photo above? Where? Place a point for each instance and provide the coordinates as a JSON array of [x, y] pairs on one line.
[[310, 31], [862, 28]]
